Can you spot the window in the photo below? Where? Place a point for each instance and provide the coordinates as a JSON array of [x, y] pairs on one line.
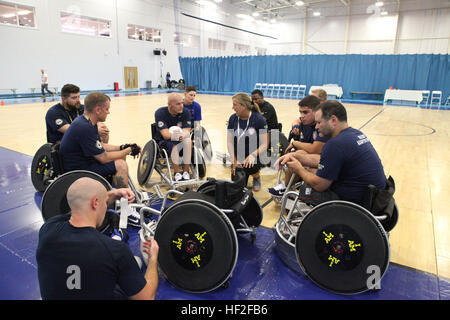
[[73, 23], [143, 33], [17, 15], [261, 51], [242, 48], [216, 44], [186, 40]]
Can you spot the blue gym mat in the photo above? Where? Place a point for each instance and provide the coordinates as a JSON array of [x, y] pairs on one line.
[[259, 273]]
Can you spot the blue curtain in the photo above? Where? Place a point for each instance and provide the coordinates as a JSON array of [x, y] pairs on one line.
[[353, 72]]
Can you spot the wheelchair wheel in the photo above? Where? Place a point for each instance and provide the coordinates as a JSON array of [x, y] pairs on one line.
[[201, 163], [54, 201], [42, 168], [206, 145], [198, 245], [147, 162], [339, 245]]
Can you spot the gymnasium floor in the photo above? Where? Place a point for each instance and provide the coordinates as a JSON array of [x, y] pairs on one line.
[[413, 146]]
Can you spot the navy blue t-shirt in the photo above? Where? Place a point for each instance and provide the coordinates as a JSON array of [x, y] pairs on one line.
[[195, 110], [80, 144], [164, 120], [57, 117], [350, 160], [82, 263], [246, 133], [309, 134]]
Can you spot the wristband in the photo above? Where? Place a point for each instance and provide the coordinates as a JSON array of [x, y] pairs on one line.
[[124, 146]]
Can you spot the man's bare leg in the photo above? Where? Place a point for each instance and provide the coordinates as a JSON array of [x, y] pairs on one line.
[[120, 179]]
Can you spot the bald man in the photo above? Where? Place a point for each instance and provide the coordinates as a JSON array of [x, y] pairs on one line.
[[175, 141], [76, 261]]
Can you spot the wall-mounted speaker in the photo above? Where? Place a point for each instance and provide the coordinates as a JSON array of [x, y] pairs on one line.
[[157, 52]]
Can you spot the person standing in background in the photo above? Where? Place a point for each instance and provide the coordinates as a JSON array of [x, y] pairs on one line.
[[44, 84]]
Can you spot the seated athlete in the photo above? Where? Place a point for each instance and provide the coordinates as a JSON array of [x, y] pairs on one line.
[[174, 115], [348, 161], [61, 115], [303, 132], [267, 110], [76, 261], [247, 138], [309, 143], [81, 148], [192, 106]]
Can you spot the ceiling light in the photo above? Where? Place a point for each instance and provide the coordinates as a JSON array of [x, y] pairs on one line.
[[384, 13], [255, 14], [273, 20], [379, 3], [218, 1], [299, 3], [316, 13]]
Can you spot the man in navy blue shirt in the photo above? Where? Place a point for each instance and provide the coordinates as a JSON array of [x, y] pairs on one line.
[[192, 106], [175, 116], [81, 147], [309, 143], [76, 261], [61, 115], [348, 161]]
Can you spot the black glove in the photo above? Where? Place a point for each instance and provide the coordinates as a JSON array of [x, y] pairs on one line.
[[135, 150]]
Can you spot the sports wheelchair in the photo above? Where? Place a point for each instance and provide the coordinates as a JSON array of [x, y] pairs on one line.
[[196, 233], [341, 246], [156, 158]]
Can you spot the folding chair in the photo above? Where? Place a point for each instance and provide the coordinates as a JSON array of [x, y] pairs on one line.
[[288, 91], [436, 98], [282, 91], [426, 98], [302, 91], [270, 88], [264, 88]]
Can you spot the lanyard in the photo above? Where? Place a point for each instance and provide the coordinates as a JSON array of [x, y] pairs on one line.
[[68, 113], [246, 127]]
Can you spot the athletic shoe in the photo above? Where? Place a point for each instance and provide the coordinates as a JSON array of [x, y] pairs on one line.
[[256, 184], [120, 235], [186, 176], [134, 219], [178, 176], [278, 190]]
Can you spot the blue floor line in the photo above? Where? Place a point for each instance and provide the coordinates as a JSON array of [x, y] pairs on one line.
[[258, 275]]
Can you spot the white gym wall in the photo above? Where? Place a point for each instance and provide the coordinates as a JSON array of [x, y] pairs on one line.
[[94, 63]]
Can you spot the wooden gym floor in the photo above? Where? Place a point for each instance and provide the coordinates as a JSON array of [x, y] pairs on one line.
[[413, 144]]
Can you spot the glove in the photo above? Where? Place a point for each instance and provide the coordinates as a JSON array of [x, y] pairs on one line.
[[135, 149]]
